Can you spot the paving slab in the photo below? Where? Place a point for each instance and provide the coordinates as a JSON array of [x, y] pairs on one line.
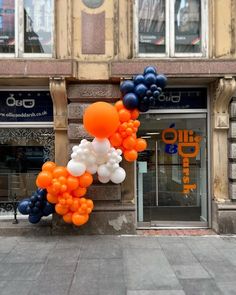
[[200, 287], [160, 292], [148, 270]]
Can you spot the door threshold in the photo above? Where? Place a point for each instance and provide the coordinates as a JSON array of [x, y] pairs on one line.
[[172, 225]]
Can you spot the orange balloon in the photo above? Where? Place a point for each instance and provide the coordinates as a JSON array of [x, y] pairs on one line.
[[44, 179], [75, 205], [141, 144], [72, 183], [129, 142], [124, 115], [61, 209], [116, 139], [119, 105], [56, 186], [130, 155], [134, 114], [49, 166], [85, 180], [60, 171], [67, 217], [79, 219], [62, 179], [52, 198], [136, 123], [79, 192], [90, 203], [101, 119]]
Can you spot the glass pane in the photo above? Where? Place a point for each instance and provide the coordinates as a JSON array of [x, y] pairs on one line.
[[38, 20], [187, 26], [174, 185], [22, 153], [7, 26], [151, 26]]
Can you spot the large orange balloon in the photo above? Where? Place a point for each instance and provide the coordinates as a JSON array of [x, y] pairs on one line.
[[101, 119], [116, 139], [85, 180], [79, 192], [44, 179], [79, 219], [60, 171], [48, 166], [129, 142], [141, 144], [130, 155], [61, 209], [68, 217]]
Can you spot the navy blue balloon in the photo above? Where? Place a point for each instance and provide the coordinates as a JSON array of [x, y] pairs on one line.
[[152, 101], [130, 101], [31, 204], [150, 79], [156, 94], [35, 210], [48, 209], [127, 87], [145, 100], [23, 205], [159, 89], [138, 79], [150, 69], [148, 93], [34, 198], [38, 204], [42, 192], [161, 81], [28, 210], [34, 218], [142, 107], [140, 90], [153, 87]]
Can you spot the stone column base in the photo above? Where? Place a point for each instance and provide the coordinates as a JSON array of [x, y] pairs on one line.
[[100, 223], [224, 217]]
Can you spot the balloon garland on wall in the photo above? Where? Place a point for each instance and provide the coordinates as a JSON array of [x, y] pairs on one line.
[[114, 128]]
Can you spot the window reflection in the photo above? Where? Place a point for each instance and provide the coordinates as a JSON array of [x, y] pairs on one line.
[[187, 26], [7, 26], [38, 26], [151, 26]]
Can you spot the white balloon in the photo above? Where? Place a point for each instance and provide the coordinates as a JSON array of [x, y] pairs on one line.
[[76, 168], [103, 171], [101, 146], [92, 169], [101, 159], [91, 159], [118, 175], [103, 179]]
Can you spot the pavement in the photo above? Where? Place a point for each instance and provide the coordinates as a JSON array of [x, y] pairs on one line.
[[117, 265]]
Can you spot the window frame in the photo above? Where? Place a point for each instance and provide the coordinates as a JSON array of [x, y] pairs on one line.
[[170, 33], [19, 34]]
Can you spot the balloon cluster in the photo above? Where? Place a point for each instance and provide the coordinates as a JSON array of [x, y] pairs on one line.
[[97, 157], [143, 91], [36, 206], [125, 136], [66, 191]]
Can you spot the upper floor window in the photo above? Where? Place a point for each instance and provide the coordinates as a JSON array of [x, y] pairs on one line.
[[174, 28], [26, 28]]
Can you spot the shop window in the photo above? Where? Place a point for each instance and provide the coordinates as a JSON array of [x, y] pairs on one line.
[[171, 28], [26, 28]]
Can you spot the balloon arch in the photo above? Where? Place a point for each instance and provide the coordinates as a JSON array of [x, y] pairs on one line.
[[114, 128]]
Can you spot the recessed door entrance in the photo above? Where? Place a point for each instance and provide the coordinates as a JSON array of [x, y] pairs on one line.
[[172, 172]]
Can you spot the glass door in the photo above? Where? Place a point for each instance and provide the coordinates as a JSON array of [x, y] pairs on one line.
[[172, 172]]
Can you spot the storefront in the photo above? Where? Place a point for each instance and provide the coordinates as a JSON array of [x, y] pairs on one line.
[[26, 140], [173, 173]]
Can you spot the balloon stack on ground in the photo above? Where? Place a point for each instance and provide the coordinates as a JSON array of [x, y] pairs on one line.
[[66, 192], [36, 206]]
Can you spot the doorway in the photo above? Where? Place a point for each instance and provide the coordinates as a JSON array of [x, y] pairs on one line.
[[172, 173]]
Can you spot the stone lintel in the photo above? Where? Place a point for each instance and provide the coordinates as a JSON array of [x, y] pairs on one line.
[[176, 68], [36, 68]]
